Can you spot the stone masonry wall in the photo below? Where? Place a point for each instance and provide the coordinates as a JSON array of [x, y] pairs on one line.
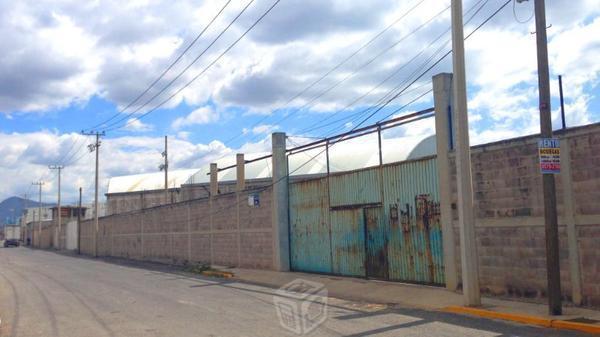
[[223, 231]]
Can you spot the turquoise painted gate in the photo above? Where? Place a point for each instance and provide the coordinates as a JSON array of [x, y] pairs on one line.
[[381, 222]]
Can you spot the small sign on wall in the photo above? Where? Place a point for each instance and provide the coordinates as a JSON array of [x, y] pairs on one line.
[[549, 150], [254, 200]]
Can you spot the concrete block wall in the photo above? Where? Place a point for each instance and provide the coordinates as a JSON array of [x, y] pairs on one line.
[[224, 230], [508, 201], [133, 201]]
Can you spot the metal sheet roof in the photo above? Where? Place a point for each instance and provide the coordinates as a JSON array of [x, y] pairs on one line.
[[348, 155], [148, 181]]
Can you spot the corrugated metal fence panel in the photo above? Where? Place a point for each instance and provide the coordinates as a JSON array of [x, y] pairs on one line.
[[355, 188], [309, 226], [348, 242], [411, 206], [377, 232]]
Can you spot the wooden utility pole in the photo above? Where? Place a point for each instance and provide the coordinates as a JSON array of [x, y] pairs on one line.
[[549, 188], [466, 218], [59, 216], [39, 236], [95, 147]]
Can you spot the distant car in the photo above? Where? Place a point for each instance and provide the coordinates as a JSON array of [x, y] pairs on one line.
[[11, 243]]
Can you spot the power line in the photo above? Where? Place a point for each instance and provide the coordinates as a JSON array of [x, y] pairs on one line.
[[202, 72], [336, 67], [180, 73], [369, 62], [315, 126], [318, 125], [161, 76], [400, 92], [435, 64], [514, 7], [168, 68], [355, 127]]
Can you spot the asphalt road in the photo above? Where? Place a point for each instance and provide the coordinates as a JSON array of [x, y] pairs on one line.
[[48, 294]]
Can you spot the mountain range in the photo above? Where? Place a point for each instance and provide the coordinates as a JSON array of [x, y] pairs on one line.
[[11, 208]]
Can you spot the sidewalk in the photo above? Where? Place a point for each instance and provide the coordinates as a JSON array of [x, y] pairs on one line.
[[429, 298]]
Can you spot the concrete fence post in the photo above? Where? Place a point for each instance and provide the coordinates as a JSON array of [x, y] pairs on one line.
[[214, 179], [280, 204], [143, 253], [240, 171], [569, 216], [442, 96], [214, 190], [240, 187]]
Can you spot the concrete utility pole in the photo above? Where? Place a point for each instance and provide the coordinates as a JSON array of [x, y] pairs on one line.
[[95, 147], [280, 211], [24, 219], [562, 102], [165, 167], [549, 188], [468, 246], [79, 225], [59, 168], [40, 184]]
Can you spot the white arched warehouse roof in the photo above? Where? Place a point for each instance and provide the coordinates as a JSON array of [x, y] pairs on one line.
[[348, 155], [148, 181]]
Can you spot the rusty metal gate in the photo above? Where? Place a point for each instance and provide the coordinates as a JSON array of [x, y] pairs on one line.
[[381, 222]]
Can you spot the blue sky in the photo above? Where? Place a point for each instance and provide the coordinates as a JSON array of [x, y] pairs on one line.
[[68, 66]]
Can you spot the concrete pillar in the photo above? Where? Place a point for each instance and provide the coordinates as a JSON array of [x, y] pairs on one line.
[[189, 231], [241, 186], [466, 218], [569, 216], [142, 249], [281, 239], [214, 179], [214, 190], [240, 171], [442, 96]]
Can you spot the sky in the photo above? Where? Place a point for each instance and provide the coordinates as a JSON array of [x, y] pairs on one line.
[[68, 66]]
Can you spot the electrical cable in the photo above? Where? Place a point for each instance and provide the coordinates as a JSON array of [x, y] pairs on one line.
[[389, 93], [201, 73], [433, 65], [364, 65], [355, 127], [63, 161], [330, 71], [517, 17], [161, 76], [130, 114], [396, 71]]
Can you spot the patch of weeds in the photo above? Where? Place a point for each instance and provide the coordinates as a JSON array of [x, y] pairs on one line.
[[198, 268]]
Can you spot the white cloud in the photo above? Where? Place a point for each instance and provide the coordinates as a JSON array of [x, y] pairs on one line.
[[264, 129], [25, 158], [62, 53], [137, 125], [204, 115], [183, 135]]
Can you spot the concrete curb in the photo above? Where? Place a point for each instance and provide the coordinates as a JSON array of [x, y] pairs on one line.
[[217, 273], [526, 319]]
